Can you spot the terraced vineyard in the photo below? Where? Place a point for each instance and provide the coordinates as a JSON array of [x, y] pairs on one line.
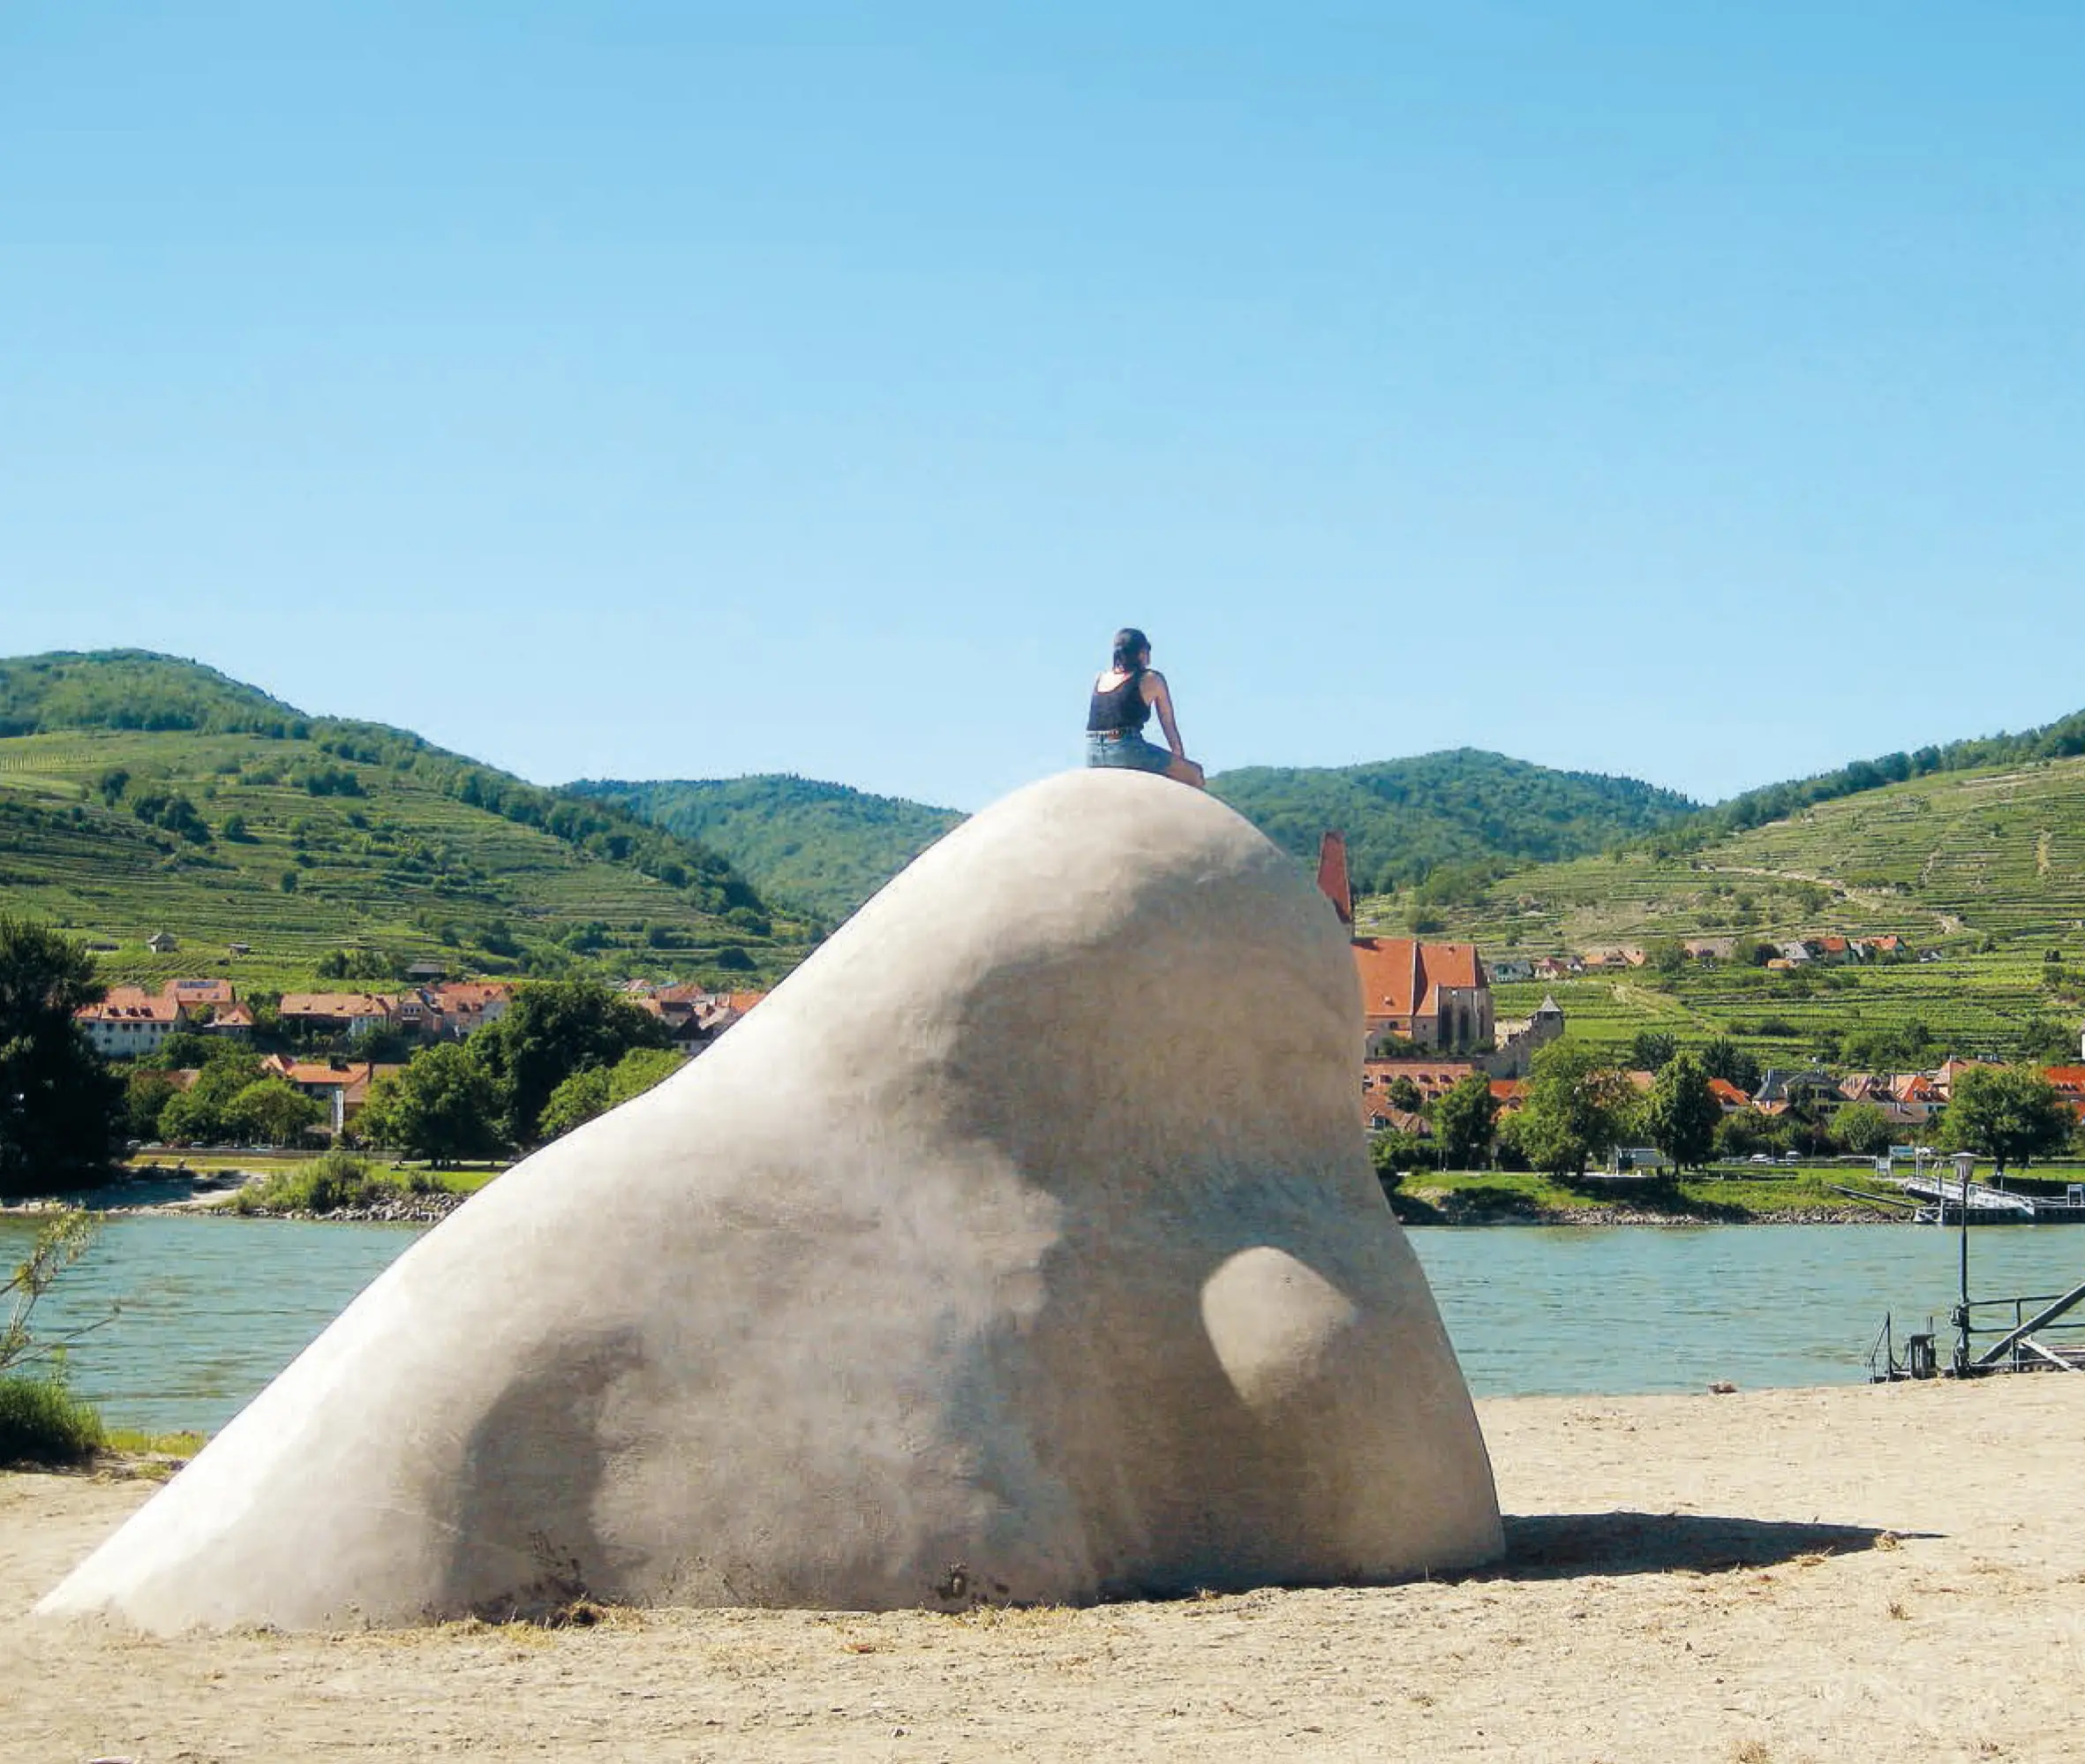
[[304, 853], [1985, 869]]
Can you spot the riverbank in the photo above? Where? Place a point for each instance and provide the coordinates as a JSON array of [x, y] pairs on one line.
[[1768, 1576], [1425, 1198], [1486, 1197], [226, 1187]]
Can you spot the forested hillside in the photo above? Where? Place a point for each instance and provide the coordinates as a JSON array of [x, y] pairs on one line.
[[1465, 811], [140, 793], [823, 846]]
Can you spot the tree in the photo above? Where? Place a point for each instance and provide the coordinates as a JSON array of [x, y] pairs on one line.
[[147, 1092], [1741, 1133], [272, 1111], [1463, 1119], [61, 1111], [1653, 1048], [1862, 1129], [2005, 1113], [1668, 956], [444, 1107], [552, 1029], [1401, 1093], [575, 1103], [1394, 1151], [1576, 1109], [1724, 1059], [639, 1069], [202, 1114], [1681, 1114]]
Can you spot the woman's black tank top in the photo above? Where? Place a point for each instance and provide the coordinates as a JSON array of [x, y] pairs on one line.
[[1121, 710]]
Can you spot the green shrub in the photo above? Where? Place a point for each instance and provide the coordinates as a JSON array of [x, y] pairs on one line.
[[335, 1181], [42, 1422]]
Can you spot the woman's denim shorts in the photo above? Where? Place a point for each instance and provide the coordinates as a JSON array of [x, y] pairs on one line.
[[1133, 751]]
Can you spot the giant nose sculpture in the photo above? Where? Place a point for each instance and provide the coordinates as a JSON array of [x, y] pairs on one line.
[[1021, 1246]]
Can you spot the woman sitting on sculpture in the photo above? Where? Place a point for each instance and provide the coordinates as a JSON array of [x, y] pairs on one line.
[[1123, 698]]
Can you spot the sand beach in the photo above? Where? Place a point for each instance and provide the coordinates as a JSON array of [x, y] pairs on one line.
[[1853, 1573]]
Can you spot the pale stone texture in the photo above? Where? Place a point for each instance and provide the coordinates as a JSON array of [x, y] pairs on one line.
[[1022, 1245]]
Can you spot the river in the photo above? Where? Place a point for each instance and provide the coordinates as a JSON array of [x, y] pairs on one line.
[[211, 1309]]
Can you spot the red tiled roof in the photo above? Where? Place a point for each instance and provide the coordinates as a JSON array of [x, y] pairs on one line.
[[200, 991], [344, 1005], [1401, 978], [1728, 1094], [130, 1004], [466, 996]]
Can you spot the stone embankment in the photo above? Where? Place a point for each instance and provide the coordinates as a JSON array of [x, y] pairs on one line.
[[406, 1209]]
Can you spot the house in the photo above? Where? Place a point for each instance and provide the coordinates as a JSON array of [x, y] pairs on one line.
[[1519, 1041], [1507, 969], [419, 1015], [196, 996], [2069, 1083], [1431, 1078], [1729, 1098], [1380, 1117], [1784, 1088], [129, 1021], [427, 973], [467, 1005], [1794, 953], [161, 942], [342, 1085], [352, 1014], [1625, 1159], [1918, 1095], [234, 1021], [1509, 1094], [1435, 995], [1949, 1070]]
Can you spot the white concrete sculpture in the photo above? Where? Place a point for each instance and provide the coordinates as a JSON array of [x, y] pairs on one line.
[[1021, 1246]]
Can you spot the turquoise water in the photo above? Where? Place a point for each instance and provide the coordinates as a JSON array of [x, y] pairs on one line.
[[211, 1309]]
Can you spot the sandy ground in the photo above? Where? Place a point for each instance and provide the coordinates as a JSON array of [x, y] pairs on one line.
[[1862, 1574]]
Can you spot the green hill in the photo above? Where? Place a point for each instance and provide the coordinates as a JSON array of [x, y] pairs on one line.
[[824, 847], [1467, 814], [1984, 869], [1464, 812], [140, 793]]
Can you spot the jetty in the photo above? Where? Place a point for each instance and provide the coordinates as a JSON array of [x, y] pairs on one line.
[[1935, 1198], [2044, 1335]]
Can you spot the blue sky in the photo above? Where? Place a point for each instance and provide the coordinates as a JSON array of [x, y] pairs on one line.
[[678, 391]]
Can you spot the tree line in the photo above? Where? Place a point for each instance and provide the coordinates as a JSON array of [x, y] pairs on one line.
[[1578, 1107]]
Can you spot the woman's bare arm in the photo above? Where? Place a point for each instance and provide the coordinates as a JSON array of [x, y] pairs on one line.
[[1155, 694]]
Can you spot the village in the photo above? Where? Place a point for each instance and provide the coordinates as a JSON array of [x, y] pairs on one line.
[[1429, 1025], [326, 1031]]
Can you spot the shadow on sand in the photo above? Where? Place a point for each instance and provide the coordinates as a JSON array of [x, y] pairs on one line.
[[1563, 1546]]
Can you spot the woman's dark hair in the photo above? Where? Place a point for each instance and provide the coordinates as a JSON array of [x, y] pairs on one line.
[[1130, 643]]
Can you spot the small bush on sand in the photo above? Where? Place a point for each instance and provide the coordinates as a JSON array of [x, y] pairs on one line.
[[43, 1422]]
